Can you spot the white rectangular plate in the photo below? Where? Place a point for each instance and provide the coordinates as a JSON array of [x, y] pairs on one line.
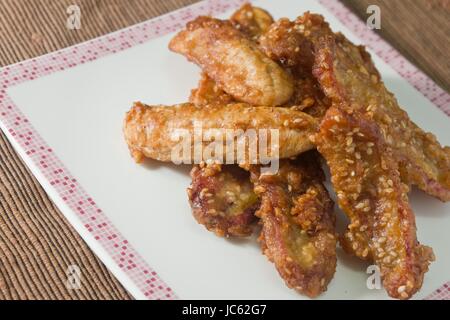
[[63, 113]]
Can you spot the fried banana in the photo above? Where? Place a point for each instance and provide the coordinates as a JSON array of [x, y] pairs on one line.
[[298, 223], [291, 43], [155, 131], [252, 21], [349, 78], [366, 179], [223, 200], [234, 62]]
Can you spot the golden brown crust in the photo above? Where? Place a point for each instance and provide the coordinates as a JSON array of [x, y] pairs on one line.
[[309, 97], [367, 183], [349, 78], [291, 43], [234, 62], [298, 224], [222, 199], [252, 21], [208, 92], [149, 130]]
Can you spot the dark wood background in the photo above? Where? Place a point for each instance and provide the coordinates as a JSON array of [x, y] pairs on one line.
[[36, 241]]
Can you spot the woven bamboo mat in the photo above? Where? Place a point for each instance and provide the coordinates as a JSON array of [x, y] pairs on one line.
[[36, 241]]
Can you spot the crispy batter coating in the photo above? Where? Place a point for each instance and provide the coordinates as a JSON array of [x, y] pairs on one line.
[[367, 182], [208, 92], [156, 131], [298, 224], [309, 97], [234, 62], [291, 43], [222, 199], [349, 78], [252, 21]]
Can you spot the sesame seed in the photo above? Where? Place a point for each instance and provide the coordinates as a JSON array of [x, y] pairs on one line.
[[349, 141], [382, 240], [359, 205], [365, 252]]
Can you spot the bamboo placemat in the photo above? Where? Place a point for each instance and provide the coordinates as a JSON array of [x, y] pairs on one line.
[[36, 242]]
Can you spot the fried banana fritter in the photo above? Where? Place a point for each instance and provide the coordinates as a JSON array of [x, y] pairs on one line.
[[234, 62], [366, 179], [156, 131], [291, 43], [223, 200], [348, 77], [252, 21], [298, 223]]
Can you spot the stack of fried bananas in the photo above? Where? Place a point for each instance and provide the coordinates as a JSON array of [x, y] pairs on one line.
[[327, 100]]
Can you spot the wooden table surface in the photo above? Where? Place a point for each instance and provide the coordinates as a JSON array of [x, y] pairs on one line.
[[36, 241]]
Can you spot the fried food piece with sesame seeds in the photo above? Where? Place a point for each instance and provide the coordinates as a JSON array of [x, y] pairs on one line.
[[222, 199], [252, 21], [298, 223], [366, 179], [168, 133], [234, 62], [291, 43], [348, 77]]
